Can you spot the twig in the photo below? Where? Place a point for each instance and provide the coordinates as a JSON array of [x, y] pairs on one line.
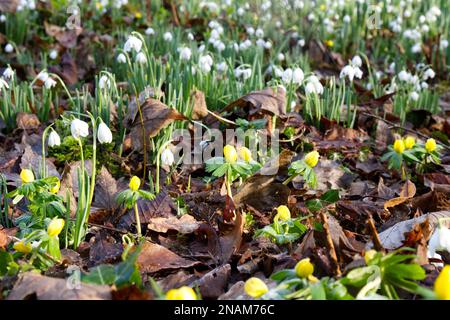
[[333, 254], [396, 126], [375, 237], [221, 118]]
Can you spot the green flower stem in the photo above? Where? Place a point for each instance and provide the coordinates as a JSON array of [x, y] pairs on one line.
[[138, 220], [158, 164], [43, 172]]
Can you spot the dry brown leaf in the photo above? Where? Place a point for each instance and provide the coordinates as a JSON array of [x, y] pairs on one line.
[[8, 5], [27, 121], [65, 37], [407, 192], [185, 225], [199, 108]]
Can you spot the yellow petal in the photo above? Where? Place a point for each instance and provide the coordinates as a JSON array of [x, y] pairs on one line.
[[230, 154], [55, 227], [304, 268], [135, 183], [27, 176], [183, 293], [312, 158], [255, 287], [442, 284]]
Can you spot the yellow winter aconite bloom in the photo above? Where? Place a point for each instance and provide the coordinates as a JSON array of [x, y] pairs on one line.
[[399, 146], [230, 154], [55, 227], [409, 142], [283, 213], [312, 158], [430, 145], [27, 176], [245, 154], [442, 284], [183, 293], [255, 287], [22, 247], [323, 7], [135, 183], [304, 268], [56, 187], [138, 15], [369, 255], [329, 43]]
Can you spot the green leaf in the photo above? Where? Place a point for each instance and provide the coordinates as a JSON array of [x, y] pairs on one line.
[[314, 205], [283, 274], [331, 196]]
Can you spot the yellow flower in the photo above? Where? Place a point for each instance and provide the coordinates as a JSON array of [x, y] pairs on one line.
[[245, 154], [135, 183], [304, 268], [369, 255], [323, 7], [27, 176], [183, 293], [255, 287], [312, 158], [138, 15], [230, 154], [430, 145], [283, 213], [56, 187], [55, 227], [399, 146], [22, 247], [409, 142], [313, 279], [442, 284], [329, 43]]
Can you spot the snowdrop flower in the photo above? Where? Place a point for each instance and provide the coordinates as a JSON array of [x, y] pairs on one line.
[[8, 73], [167, 36], [121, 58], [141, 58], [43, 76], [444, 44], [298, 76], [9, 48], [149, 31], [280, 57], [414, 96], [357, 61], [429, 74], [104, 82], [404, 76], [240, 11], [301, 43], [250, 31], [261, 43], [222, 67], [352, 70], [259, 33], [424, 85], [79, 129], [347, 18], [314, 86], [167, 157], [2, 18], [133, 43], [201, 48], [190, 36], [53, 139], [287, 76], [416, 48], [205, 63], [49, 83], [104, 134], [3, 84], [185, 53], [53, 54], [268, 45], [439, 241]]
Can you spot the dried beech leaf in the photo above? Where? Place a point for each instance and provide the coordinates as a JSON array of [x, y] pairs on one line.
[[271, 100]]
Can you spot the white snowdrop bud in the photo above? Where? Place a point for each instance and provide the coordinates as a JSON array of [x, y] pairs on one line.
[[9, 48], [104, 134], [79, 129], [53, 139], [121, 58], [167, 157]]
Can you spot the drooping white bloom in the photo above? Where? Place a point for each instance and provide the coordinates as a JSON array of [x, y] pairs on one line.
[[439, 241], [185, 53], [357, 61], [259, 33], [280, 56], [313, 85], [141, 58], [416, 48], [79, 129], [205, 62], [414, 96], [268, 45], [429, 74], [301, 43], [167, 157], [240, 11], [287, 75], [104, 134], [54, 139], [49, 83], [222, 67], [9, 48], [53, 54], [298, 76], [404, 76], [444, 44], [3, 84], [8, 73], [104, 82], [42, 76], [149, 31], [346, 18], [190, 36], [132, 43], [121, 58], [167, 36], [2, 18]]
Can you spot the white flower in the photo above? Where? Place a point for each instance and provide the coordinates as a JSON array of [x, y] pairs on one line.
[[49, 83], [414, 96], [141, 58], [314, 86], [347, 18], [149, 31], [104, 134], [133, 43], [416, 48], [8, 73], [53, 54], [429, 74], [42, 76], [222, 67], [268, 45], [444, 44], [301, 43], [287, 75], [250, 31], [259, 33], [3, 84], [167, 157], [9, 48], [167, 36], [190, 36], [240, 11], [439, 241], [104, 82], [357, 61], [205, 62], [121, 58], [185, 53], [350, 72], [280, 57], [404, 76], [298, 76], [2, 18], [53, 139], [79, 129]]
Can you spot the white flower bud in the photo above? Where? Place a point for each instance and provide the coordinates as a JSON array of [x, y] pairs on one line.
[[104, 134], [53, 139], [79, 128], [167, 157]]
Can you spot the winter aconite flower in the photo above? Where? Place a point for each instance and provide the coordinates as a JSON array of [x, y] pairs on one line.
[[230, 154], [369, 255], [22, 247], [183, 293], [312, 158], [245, 154], [135, 183], [399, 146], [27, 176], [255, 287], [409, 142], [304, 268], [104, 134], [53, 139], [79, 129], [283, 213], [56, 187], [430, 145], [55, 227], [442, 284]]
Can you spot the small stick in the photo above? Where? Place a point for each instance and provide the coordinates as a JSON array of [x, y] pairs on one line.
[[375, 238], [221, 118], [333, 254]]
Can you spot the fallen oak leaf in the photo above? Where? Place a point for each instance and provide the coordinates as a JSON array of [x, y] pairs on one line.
[[407, 192]]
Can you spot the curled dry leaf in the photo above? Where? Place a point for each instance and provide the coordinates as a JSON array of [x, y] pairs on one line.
[[27, 121], [199, 108], [65, 37], [407, 192], [185, 225]]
